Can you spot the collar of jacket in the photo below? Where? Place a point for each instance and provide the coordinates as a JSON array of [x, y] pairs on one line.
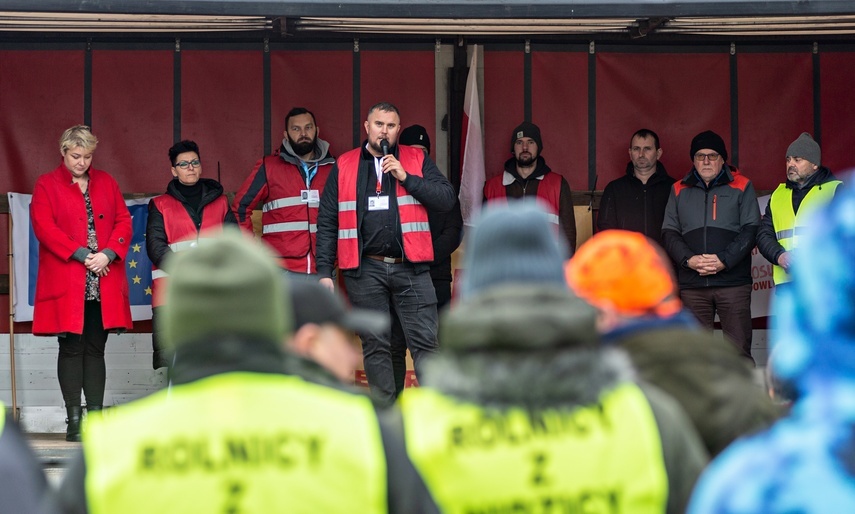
[[211, 190], [510, 175], [821, 176], [321, 155], [519, 317], [725, 176], [658, 176], [682, 319], [213, 356]]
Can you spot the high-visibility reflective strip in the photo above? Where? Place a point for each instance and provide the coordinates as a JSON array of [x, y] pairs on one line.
[[183, 245], [347, 233], [408, 200], [290, 201], [417, 226], [292, 226], [788, 233], [553, 218], [347, 206], [313, 228], [158, 273]]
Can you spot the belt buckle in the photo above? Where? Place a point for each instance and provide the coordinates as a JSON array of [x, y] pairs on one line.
[[389, 260]]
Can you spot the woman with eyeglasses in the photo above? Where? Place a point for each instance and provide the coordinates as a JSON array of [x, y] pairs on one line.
[[84, 230], [191, 207]]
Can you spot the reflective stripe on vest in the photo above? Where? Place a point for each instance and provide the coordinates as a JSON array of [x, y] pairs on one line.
[[289, 224], [237, 442], [788, 225], [292, 226], [3, 417], [415, 230], [548, 190], [181, 232], [599, 458], [281, 203]]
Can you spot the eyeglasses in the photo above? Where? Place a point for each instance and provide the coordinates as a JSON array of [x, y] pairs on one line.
[[701, 157], [186, 164]]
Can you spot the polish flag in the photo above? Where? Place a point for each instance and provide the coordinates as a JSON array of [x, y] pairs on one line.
[[472, 169]]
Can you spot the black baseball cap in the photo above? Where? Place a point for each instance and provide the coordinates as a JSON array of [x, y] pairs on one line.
[[314, 303]]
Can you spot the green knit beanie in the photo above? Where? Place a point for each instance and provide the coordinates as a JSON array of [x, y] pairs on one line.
[[229, 285]]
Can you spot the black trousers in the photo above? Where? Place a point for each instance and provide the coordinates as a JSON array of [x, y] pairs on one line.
[[80, 365]]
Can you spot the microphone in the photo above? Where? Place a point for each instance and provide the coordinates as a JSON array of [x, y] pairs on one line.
[[384, 145]]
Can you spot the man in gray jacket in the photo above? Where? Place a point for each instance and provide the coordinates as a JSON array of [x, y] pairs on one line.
[[710, 226]]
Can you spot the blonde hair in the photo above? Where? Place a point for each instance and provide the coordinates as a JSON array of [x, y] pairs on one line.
[[78, 135]]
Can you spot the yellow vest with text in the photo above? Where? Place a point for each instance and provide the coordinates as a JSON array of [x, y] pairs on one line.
[[237, 442], [788, 225], [604, 458]]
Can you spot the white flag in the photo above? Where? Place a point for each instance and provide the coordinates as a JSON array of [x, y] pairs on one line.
[[472, 171]]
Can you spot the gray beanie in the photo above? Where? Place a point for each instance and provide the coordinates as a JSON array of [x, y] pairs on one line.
[[513, 243], [806, 148], [228, 286]]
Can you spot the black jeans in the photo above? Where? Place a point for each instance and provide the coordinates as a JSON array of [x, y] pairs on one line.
[[80, 365], [399, 342], [387, 288]]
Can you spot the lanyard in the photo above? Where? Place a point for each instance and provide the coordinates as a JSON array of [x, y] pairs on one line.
[[309, 172], [378, 169]]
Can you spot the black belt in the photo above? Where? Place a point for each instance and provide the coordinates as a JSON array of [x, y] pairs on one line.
[[387, 260]]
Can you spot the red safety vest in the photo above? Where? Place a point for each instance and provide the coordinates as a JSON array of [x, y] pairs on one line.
[[548, 191], [181, 232], [289, 224], [418, 246]]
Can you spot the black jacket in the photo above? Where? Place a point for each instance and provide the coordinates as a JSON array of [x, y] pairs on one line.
[[156, 243], [628, 204], [432, 190], [446, 230], [767, 241]]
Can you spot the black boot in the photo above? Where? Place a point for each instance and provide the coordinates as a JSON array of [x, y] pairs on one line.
[[90, 408], [72, 432]]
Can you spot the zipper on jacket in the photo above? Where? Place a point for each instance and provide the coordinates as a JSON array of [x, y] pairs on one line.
[[714, 202]]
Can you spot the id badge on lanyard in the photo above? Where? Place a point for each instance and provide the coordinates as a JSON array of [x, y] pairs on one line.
[[378, 202]]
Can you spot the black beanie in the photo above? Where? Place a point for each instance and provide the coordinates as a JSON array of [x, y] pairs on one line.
[[415, 135], [708, 139], [527, 129]]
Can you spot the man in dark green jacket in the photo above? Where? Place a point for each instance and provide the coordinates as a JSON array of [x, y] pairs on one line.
[[630, 281]]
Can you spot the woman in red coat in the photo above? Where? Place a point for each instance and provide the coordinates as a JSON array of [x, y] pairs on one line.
[[84, 229]]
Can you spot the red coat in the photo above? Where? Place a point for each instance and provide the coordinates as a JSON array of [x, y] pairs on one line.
[[58, 213]]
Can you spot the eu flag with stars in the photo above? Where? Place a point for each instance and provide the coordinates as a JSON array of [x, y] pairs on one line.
[[137, 263]]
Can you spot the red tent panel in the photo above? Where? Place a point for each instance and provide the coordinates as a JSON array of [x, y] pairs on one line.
[[559, 104], [503, 105], [675, 95], [767, 127], [403, 78], [132, 117], [222, 102], [838, 110], [321, 82]]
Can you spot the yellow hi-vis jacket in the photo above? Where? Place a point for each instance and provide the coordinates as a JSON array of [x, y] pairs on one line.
[[789, 226], [237, 442], [604, 458]]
